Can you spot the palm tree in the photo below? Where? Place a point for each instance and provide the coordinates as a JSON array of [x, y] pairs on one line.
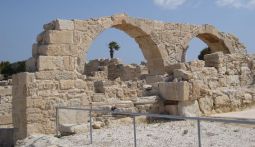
[[113, 46]]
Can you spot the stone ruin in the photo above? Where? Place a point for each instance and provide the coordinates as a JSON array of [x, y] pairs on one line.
[[57, 74]]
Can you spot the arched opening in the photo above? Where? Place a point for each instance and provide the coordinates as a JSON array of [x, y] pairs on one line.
[[194, 49], [200, 44], [151, 52], [129, 52], [128, 61]]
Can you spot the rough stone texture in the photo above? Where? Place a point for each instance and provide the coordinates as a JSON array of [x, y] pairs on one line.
[[188, 108], [6, 104], [161, 43], [178, 91], [61, 77]]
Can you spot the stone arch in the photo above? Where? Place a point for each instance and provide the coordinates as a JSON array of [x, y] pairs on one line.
[[135, 28], [216, 40]]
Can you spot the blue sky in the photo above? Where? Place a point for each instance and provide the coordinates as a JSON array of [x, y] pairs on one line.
[[21, 21]]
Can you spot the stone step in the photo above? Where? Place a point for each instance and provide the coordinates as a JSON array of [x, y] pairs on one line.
[[146, 100]]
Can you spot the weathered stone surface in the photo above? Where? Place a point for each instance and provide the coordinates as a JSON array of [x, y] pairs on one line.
[[70, 129], [171, 109], [57, 50], [206, 105], [188, 108], [66, 84], [154, 78], [6, 105], [182, 74], [54, 36], [214, 59], [98, 125], [45, 63], [178, 91], [55, 75], [61, 24], [170, 68], [59, 78]]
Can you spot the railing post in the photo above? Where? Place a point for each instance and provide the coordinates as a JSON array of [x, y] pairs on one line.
[[134, 124], [57, 120], [90, 123], [199, 132]]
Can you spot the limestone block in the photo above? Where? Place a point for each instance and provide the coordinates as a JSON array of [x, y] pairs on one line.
[[98, 125], [5, 119], [233, 80], [5, 92], [98, 97], [120, 93], [182, 74], [196, 65], [188, 108], [69, 129], [194, 90], [55, 63], [61, 24], [214, 59], [247, 98], [154, 78], [178, 91], [55, 75], [206, 105], [66, 84], [69, 63], [222, 100], [58, 50], [170, 68], [80, 84], [246, 76], [50, 63], [124, 104], [99, 86], [56, 36], [171, 109]]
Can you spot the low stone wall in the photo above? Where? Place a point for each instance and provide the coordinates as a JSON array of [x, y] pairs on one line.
[[221, 83], [5, 104], [113, 69]]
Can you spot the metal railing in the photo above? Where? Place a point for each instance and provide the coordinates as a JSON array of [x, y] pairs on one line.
[[174, 117]]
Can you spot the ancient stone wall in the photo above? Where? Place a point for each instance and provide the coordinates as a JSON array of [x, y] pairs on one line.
[[5, 103], [221, 83], [113, 69], [56, 74]]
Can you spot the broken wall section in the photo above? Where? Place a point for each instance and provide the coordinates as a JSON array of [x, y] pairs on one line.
[[113, 68], [221, 83]]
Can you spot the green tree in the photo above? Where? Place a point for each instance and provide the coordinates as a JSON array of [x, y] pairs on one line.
[[113, 46], [205, 51], [8, 69]]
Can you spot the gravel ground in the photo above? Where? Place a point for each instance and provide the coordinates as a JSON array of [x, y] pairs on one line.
[[163, 134]]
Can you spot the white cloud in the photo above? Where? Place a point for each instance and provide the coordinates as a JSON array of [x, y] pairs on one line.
[[237, 3], [169, 4]]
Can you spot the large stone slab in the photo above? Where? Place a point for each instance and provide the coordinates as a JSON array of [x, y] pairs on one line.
[[56, 36], [55, 63], [177, 91]]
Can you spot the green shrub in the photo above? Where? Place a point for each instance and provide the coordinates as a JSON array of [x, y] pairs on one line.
[[204, 52]]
